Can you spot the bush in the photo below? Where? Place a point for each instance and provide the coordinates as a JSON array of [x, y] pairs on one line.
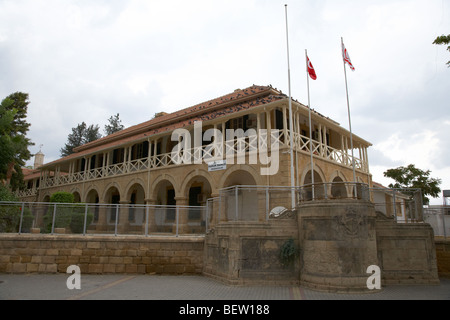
[[9, 218], [70, 215], [62, 197], [27, 221], [288, 252], [9, 214], [77, 219]]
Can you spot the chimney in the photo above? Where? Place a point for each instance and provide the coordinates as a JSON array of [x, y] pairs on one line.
[[38, 159]]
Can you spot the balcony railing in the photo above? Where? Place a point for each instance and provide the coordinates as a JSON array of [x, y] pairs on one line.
[[212, 152]]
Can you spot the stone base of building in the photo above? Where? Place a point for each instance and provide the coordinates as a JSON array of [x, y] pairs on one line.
[[336, 243], [325, 245], [248, 253], [100, 254], [406, 252]]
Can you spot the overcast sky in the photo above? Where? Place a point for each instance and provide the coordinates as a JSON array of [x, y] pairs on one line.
[[86, 60]]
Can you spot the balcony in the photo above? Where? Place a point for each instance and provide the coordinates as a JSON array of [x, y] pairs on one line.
[[246, 145]]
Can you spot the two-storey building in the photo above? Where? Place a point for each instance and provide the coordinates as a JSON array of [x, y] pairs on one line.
[[144, 164]]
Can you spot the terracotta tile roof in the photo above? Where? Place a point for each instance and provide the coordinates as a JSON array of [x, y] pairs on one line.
[[240, 99]]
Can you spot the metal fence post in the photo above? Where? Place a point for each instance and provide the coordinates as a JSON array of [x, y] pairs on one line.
[[394, 204], [207, 215], [443, 221], [85, 219], [267, 203], [146, 220], [220, 208], [21, 217], [53, 219], [177, 215], [236, 200], [117, 220]]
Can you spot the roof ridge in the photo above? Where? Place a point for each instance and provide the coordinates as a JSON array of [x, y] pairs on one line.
[[206, 105]]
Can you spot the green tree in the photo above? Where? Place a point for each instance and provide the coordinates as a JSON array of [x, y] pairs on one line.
[[80, 135], [13, 141], [443, 40], [412, 177], [71, 215], [115, 125]]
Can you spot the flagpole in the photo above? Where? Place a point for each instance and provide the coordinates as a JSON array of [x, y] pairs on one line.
[[348, 111], [291, 135], [310, 127]]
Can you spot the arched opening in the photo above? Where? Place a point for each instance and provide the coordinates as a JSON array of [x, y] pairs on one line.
[[136, 197], [92, 197], [164, 215], [239, 178], [112, 197], [76, 197], [241, 203], [198, 191], [338, 189], [316, 191]]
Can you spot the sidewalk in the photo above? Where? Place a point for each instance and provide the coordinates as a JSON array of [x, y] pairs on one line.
[[156, 287]]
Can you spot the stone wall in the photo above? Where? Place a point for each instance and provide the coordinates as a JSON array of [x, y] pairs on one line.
[[338, 243], [406, 252], [241, 253], [100, 254], [443, 257]]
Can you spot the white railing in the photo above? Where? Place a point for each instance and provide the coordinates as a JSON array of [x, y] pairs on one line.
[[215, 151]]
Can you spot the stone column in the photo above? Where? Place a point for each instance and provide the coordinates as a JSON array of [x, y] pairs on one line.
[[151, 220], [102, 222], [123, 224], [183, 216]]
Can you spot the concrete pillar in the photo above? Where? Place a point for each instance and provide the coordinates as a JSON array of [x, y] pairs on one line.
[[123, 224], [150, 218], [182, 216]]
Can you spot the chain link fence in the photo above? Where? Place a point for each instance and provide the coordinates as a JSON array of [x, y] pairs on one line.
[[261, 203], [236, 203], [112, 219], [439, 218]]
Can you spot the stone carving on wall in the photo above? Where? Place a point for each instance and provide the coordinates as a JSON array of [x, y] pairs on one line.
[[351, 223]]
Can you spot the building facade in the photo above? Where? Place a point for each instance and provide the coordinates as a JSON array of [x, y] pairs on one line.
[[144, 164]]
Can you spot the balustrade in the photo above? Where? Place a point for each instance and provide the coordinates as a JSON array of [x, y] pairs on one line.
[[213, 151]]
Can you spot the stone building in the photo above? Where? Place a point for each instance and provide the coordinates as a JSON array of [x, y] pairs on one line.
[[244, 142], [138, 165]]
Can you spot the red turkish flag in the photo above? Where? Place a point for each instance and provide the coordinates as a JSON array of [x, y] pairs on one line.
[[311, 71]]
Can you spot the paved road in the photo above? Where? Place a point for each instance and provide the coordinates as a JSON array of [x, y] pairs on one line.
[[156, 287]]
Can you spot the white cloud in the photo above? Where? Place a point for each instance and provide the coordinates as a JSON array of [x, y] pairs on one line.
[[87, 60], [419, 148]]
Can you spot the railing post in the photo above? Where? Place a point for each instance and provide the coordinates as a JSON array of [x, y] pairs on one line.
[[395, 205], [21, 217], [443, 221], [146, 220], [267, 203], [85, 219], [207, 215], [236, 200], [116, 220], [220, 208], [53, 219], [177, 217]]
